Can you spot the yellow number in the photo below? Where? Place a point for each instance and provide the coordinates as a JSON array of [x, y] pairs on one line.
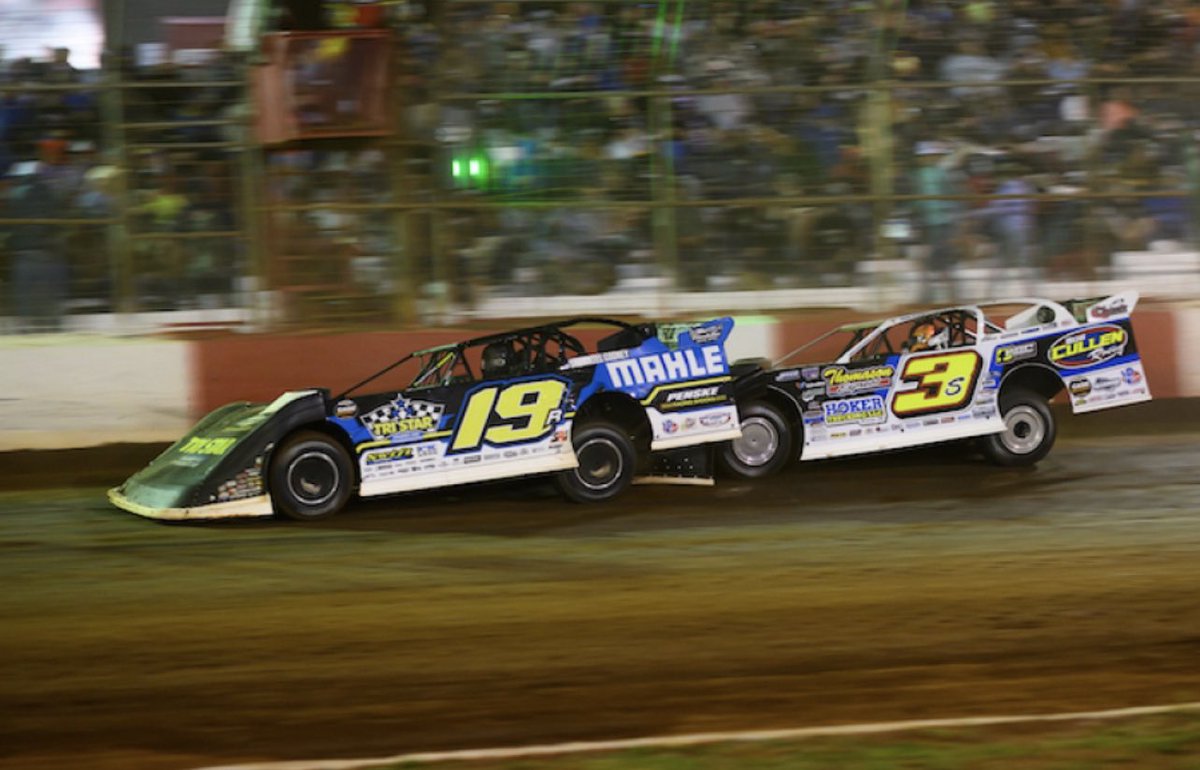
[[526, 407], [531, 402], [474, 419], [943, 382], [198, 445]]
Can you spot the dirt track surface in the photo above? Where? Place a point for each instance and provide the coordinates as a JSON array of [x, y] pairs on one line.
[[916, 585]]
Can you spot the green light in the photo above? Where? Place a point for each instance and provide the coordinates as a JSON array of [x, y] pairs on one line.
[[455, 169], [475, 167]]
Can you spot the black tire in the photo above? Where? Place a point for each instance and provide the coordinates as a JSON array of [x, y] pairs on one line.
[[311, 477], [1029, 430], [765, 447], [607, 461]]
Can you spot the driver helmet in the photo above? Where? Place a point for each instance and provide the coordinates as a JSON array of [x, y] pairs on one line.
[[927, 336], [499, 358]]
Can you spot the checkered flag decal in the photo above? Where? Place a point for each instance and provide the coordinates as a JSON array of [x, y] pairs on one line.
[[401, 409]]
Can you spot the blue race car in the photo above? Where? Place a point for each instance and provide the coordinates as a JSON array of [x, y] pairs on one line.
[[524, 402]]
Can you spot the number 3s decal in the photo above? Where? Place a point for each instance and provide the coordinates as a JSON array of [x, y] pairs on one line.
[[509, 414], [943, 382]]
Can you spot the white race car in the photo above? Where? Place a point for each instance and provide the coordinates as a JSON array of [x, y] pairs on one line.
[[971, 371]]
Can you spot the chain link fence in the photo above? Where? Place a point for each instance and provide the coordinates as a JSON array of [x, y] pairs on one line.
[[542, 156]]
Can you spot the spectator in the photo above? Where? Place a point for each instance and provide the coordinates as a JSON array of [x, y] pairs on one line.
[[38, 272], [972, 64], [937, 175], [1012, 219]]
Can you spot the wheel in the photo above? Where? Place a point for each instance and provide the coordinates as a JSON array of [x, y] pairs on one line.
[[311, 477], [766, 444], [606, 463], [1028, 433]]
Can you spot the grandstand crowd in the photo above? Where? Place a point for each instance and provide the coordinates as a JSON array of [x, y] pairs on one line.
[[766, 120]]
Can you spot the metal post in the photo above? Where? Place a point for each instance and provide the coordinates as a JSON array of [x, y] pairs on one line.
[[123, 295], [252, 212], [404, 276]]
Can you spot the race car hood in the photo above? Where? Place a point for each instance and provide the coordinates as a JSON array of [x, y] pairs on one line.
[[218, 467]]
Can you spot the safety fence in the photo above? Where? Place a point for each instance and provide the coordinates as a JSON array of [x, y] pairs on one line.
[[536, 150], [124, 193]]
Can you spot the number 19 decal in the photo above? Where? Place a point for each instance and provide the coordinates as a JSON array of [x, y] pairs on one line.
[[943, 382], [509, 414]]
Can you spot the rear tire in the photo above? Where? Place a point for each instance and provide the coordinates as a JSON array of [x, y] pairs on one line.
[[607, 460], [765, 447], [1029, 430], [311, 477]]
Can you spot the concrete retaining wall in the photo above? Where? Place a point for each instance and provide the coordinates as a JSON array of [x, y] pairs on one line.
[[66, 392]]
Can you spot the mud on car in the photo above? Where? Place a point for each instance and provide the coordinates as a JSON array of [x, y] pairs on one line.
[[984, 372], [530, 401]]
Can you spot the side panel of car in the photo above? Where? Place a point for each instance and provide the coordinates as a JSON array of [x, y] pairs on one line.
[[460, 433], [683, 383], [897, 401], [1101, 366], [1097, 363]]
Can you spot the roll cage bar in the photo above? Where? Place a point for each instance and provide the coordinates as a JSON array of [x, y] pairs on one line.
[[533, 342]]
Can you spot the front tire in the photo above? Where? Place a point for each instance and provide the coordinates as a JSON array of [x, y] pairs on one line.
[[1029, 430], [606, 464], [311, 477], [765, 447]]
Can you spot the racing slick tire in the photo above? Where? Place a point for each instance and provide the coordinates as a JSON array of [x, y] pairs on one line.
[[607, 461], [1029, 430], [311, 477], [765, 447]]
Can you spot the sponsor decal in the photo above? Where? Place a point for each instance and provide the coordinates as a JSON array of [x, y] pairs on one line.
[[469, 459], [559, 437], [860, 410], [667, 367], [788, 376], [382, 456], [402, 418], [427, 450], [811, 390], [345, 408], [247, 483], [840, 381], [1079, 387], [670, 426], [1108, 383], [1088, 347], [1009, 353], [703, 334], [1114, 307], [199, 445], [984, 412], [1131, 376], [811, 373], [713, 420], [679, 399]]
